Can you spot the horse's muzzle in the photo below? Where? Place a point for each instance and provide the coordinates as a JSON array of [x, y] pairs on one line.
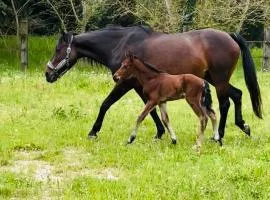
[[50, 77]]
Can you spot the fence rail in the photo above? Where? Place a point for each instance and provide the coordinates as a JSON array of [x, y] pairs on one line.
[[260, 50]]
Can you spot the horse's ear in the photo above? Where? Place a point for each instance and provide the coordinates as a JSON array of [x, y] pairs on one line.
[[63, 32]]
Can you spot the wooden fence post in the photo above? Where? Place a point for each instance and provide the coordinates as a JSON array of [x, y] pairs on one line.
[[266, 50], [24, 44]]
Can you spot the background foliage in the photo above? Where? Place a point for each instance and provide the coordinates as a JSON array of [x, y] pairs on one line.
[[49, 16]]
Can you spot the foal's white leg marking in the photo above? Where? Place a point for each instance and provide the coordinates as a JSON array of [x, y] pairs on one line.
[[214, 125], [165, 119], [200, 135]]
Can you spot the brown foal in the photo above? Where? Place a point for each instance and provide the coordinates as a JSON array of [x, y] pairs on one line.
[[161, 87]]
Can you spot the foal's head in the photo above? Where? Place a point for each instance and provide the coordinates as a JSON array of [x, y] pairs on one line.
[[126, 71]]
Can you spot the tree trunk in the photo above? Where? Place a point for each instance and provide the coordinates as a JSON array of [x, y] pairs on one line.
[[188, 14], [17, 21], [168, 6]]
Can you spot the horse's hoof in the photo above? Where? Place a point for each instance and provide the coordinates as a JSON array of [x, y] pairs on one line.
[[246, 129], [220, 142], [174, 141], [158, 137], [92, 135], [131, 139], [216, 140]]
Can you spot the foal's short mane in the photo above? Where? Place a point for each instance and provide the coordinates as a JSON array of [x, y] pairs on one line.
[[150, 66]]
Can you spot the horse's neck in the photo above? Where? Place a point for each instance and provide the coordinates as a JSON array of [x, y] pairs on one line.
[[97, 45], [144, 74]]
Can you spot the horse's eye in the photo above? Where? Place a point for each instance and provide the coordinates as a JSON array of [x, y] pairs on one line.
[[57, 50]]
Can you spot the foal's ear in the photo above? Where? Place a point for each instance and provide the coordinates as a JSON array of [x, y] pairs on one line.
[[129, 55]]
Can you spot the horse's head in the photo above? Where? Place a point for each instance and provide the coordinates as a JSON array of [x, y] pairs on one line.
[[126, 71], [64, 57]]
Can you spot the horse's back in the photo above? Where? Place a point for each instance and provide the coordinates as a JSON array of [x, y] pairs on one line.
[[191, 52]]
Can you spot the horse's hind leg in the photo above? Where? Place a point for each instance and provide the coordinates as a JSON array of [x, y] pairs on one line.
[[224, 105], [223, 100], [165, 120], [236, 95], [148, 107]]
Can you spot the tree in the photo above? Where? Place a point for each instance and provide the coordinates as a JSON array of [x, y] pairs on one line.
[[188, 14]]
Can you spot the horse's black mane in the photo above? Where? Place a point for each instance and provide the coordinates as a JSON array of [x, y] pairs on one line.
[[145, 28], [150, 66]]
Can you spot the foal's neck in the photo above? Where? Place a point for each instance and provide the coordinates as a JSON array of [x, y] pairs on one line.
[[143, 73]]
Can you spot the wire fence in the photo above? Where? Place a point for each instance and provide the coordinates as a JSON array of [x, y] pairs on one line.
[[41, 49]]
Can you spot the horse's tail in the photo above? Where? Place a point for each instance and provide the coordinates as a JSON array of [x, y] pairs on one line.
[[250, 74], [206, 97]]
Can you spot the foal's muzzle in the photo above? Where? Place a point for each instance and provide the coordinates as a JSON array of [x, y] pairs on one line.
[[116, 78]]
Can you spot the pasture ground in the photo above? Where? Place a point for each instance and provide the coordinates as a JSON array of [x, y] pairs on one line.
[[45, 153]]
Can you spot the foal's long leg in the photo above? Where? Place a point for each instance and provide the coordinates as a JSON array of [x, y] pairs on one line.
[[236, 95], [148, 107], [201, 113], [118, 91], [160, 128], [165, 120], [211, 114]]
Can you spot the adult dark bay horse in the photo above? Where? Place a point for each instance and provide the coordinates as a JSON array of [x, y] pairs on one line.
[[206, 53]]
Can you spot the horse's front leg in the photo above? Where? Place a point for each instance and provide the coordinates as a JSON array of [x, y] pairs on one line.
[[118, 91], [154, 115], [148, 107]]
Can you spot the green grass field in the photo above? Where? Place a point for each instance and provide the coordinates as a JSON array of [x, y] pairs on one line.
[[45, 153]]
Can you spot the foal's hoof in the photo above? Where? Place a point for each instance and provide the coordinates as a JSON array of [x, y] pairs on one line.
[[131, 139], [246, 129], [196, 148], [174, 141]]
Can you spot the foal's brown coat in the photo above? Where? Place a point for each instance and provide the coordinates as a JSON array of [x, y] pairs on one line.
[[162, 87]]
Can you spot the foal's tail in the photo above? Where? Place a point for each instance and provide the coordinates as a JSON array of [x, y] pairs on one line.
[[206, 97], [250, 74]]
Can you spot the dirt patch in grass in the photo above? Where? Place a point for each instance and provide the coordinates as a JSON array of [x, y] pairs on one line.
[[54, 177], [74, 165]]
